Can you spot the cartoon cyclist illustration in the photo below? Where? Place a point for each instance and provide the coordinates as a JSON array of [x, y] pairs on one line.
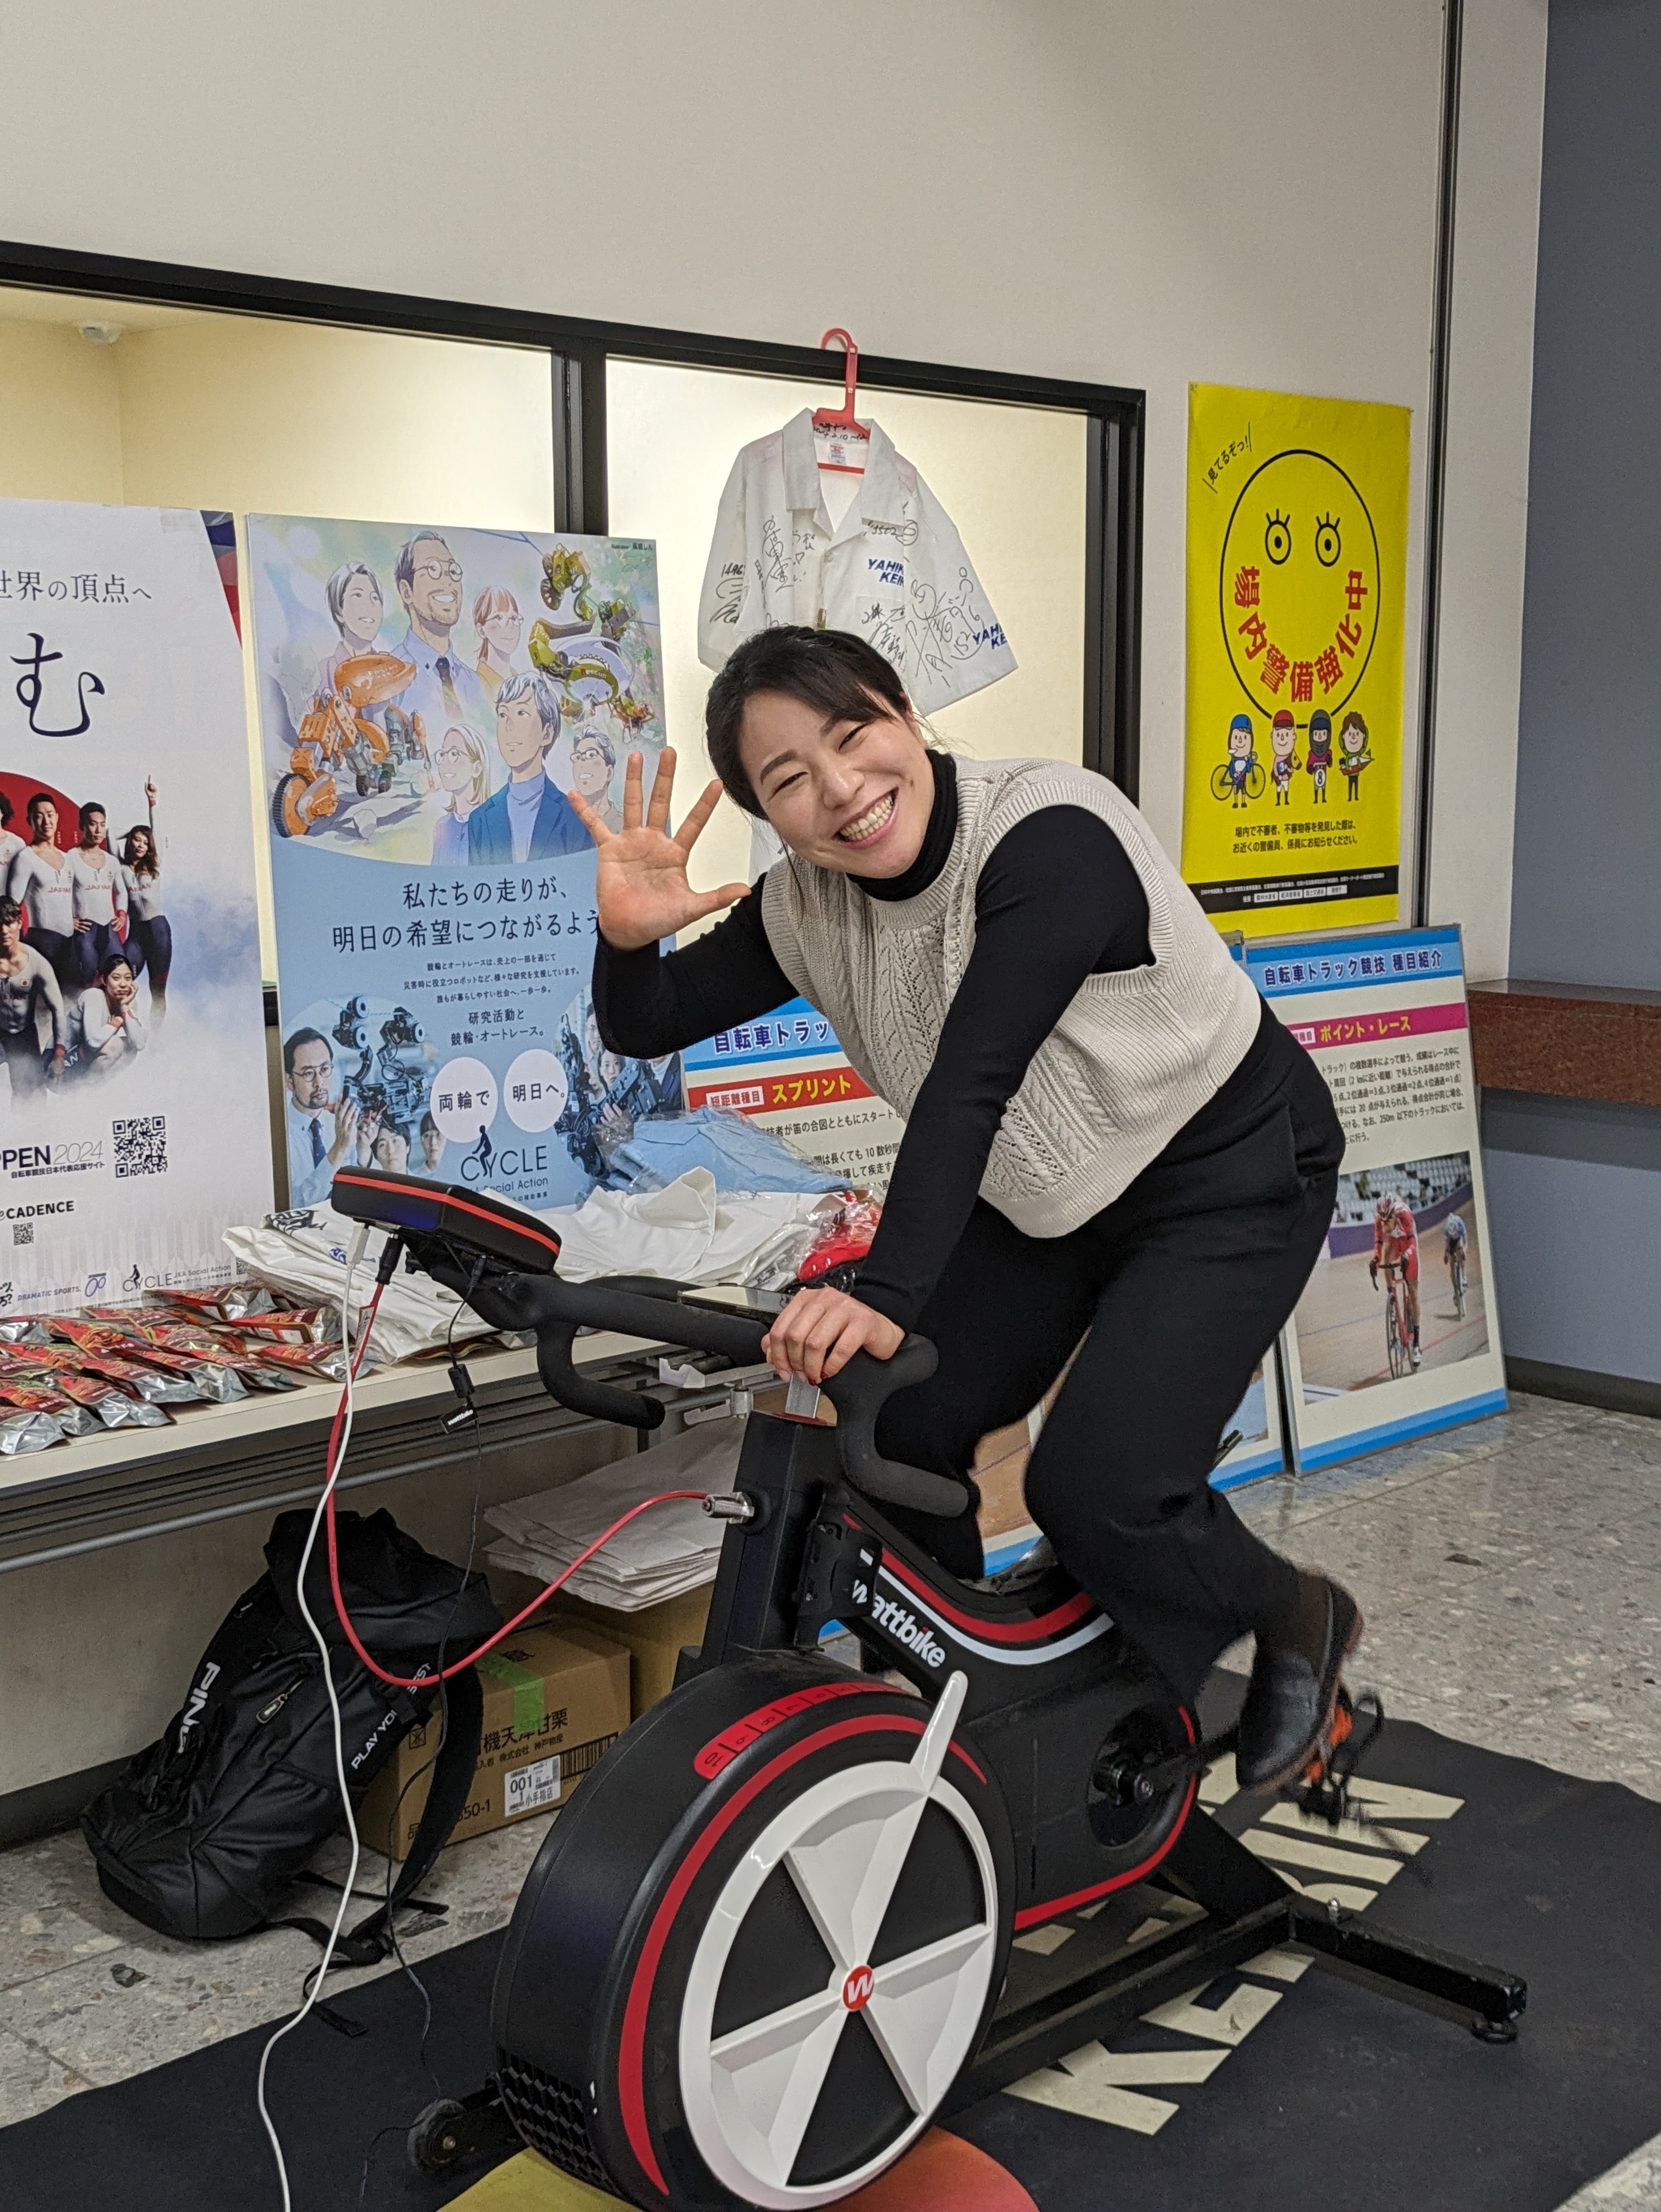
[[1318, 759], [1352, 754], [1240, 776], [1283, 744]]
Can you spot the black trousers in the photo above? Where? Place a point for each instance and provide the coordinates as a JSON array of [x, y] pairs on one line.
[[1172, 1294]]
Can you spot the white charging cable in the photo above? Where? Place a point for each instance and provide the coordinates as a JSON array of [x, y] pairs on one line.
[[353, 1258]]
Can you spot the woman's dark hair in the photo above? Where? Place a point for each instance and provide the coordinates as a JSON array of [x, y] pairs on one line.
[[110, 963], [831, 671], [149, 865]]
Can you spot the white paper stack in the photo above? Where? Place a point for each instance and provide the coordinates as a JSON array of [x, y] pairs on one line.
[[662, 1554]]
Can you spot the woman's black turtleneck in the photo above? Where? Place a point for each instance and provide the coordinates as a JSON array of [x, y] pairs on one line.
[[1057, 899]]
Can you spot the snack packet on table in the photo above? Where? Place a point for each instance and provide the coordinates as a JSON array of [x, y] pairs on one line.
[[38, 1398], [141, 1380], [28, 1433], [296, 1325], [229, 1302], [113, 1407], [325, 1362]]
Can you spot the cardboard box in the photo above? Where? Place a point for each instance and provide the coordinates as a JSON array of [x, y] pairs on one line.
[[555, 1695], [654, 1636]]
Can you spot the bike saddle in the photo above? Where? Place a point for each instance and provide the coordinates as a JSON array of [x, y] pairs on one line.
[[502, 1260]]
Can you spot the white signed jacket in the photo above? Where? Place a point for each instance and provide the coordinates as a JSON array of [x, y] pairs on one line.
[[893, 571]]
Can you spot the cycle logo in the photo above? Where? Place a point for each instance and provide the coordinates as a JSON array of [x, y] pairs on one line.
[[907, 1630], [857, 1989]]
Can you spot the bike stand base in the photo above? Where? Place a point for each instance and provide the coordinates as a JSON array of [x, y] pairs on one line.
[[1133, 1982], [453, 2129]]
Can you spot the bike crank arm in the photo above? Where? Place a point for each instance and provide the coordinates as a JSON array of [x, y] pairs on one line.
[[1133, 1782]]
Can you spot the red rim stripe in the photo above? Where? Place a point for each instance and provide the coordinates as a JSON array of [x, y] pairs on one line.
[[1036, 1915], [460, 1205], [1063, 1616], [631, 2056]]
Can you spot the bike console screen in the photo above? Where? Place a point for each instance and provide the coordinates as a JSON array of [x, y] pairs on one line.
[[467, 1221]]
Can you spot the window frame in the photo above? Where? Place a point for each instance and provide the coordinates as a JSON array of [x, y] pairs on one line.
[[580, 348]]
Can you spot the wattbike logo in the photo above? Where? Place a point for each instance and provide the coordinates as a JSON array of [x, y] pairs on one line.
[[888, 1614]]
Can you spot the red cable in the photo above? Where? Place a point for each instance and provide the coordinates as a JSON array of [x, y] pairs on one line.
[[427, 1681]]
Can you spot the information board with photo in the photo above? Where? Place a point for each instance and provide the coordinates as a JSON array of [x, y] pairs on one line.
[[428, 698], [1396, 1333], [132, 1047]]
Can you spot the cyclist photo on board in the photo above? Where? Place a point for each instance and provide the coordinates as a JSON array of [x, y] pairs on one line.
[[1396, 1249], [1455, 1251]]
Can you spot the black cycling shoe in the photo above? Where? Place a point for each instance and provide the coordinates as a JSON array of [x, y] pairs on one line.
[[1289, 1707]]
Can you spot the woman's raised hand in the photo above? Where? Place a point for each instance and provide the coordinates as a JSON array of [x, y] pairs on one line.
[[641, 890]]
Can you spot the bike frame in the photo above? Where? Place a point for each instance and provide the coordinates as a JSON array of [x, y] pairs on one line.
[[1096, 1764], [1050, 1678]]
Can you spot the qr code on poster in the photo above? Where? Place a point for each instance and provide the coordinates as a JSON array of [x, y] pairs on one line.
[[141, 1146]]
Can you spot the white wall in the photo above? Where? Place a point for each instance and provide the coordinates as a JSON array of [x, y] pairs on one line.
[[1491, 385], [1097, 189]]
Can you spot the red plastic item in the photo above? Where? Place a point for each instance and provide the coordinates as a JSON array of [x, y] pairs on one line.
[[843, 418]]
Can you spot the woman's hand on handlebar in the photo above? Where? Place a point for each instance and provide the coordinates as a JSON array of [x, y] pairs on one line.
[[819, 1332], [641, 890]]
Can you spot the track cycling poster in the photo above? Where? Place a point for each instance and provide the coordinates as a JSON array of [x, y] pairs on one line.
[[1297, 582], [132, 1043], [1396, 1333], [428, 697]]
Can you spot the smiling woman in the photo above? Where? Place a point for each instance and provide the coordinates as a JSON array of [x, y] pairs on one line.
[[1108, 1136]]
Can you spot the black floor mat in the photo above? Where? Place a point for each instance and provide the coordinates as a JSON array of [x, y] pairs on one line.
[[1340, 2102], [1345, 2101], [187, 2137]]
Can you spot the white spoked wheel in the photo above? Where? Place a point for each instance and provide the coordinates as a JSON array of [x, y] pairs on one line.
[[841, 1979]]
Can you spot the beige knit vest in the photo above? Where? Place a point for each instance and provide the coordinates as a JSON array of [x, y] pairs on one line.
[[1136, 1053]]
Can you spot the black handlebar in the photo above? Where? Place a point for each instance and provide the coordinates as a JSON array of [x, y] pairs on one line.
[[634, 1305]]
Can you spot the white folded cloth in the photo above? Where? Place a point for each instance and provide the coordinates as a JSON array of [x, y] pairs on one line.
[[688, 1232]]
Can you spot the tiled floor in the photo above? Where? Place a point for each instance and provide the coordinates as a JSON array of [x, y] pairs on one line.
[[1508, 1572], [1509, 1575]]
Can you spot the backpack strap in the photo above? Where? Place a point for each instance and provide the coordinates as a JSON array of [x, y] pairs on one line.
[[371, 1941]]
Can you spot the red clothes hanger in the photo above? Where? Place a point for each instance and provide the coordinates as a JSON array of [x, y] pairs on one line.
[[843, 439]]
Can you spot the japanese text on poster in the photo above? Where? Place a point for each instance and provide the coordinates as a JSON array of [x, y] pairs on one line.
[[789, 1075], [1395, 1332], [1297, 576], [132, 1057], [428, 698]]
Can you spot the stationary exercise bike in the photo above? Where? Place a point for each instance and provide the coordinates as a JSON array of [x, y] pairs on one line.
[[769, 1939]]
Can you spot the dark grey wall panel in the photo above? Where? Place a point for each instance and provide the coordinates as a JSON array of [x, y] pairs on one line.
[[1587, 895]]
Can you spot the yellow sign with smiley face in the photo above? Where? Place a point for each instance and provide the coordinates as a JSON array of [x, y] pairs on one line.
[[1297, 574]]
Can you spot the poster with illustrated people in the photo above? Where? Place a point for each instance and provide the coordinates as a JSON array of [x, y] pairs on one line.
[[429, 698], [1297, 582], [133, 1046]]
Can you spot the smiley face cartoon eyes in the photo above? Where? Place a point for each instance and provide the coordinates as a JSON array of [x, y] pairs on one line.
[[1277, 538]]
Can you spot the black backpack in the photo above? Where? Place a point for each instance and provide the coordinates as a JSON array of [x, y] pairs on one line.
[[205, 1832]]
